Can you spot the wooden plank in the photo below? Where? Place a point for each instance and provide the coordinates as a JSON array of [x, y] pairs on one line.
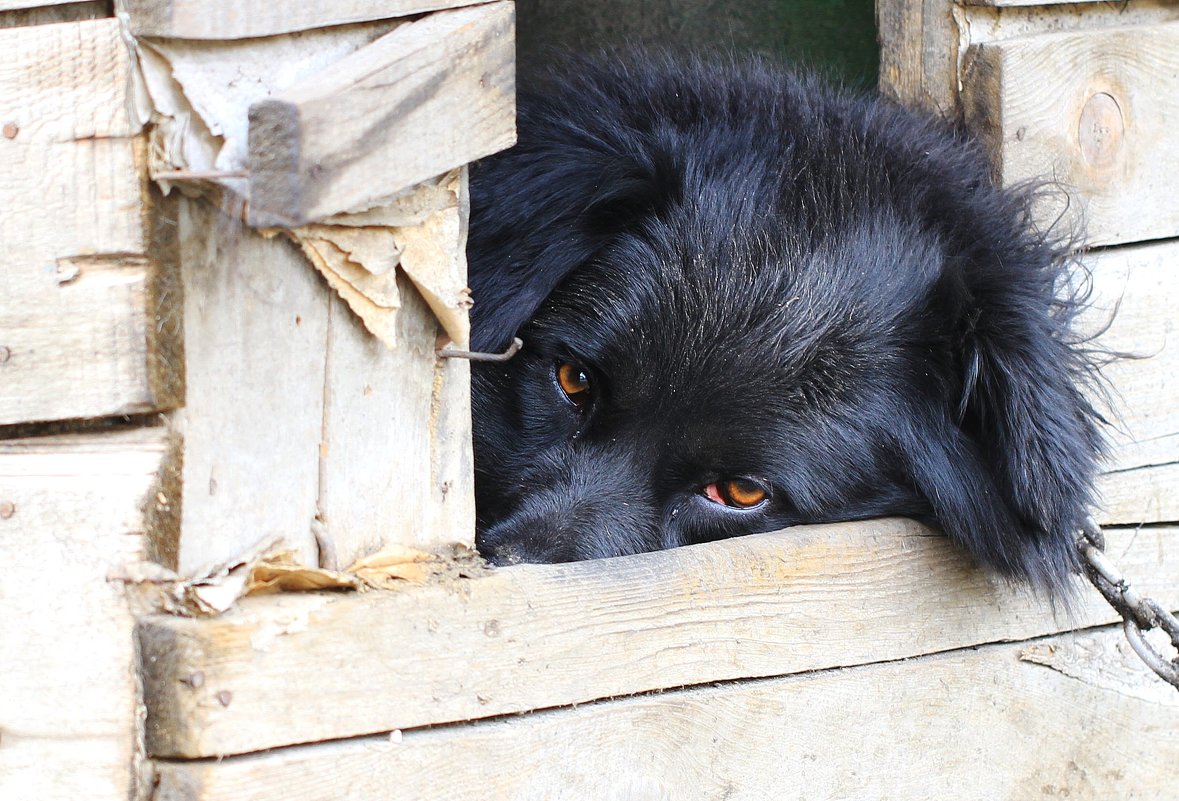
[[396, 463], [304, 669], [1134, 294], [918, 53], [89, 322], [227, 19], [73, 511], [62, 83], [255, 324], [391, 470], [985, 724], [13, 5], [425, 98], [1142, 495], [1092, 110], [49, 15]]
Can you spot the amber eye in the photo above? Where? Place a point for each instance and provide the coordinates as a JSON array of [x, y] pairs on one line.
[[740, 493], [574, 383]]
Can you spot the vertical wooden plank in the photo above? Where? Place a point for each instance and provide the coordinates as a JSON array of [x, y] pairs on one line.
[[918, 53], [73, 513], [396, 464], [255, 323]]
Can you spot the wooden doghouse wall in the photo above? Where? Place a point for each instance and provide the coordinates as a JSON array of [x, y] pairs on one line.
[[174, 387]]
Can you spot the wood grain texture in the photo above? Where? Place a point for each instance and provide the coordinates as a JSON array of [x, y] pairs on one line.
[[1141, 495], [230, 19], [975, 724], [88, 327], [1135, 290], [304, 669], [13, 5], [427, 97], [49, 15], [255, 327], [1095, 112], [918, 53], [73, 510], [391, 471]]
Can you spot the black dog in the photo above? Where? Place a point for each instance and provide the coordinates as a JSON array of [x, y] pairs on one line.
[[749, 301]]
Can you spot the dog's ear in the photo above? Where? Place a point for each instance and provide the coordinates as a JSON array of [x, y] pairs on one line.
[[536, 216], [1013, 477]]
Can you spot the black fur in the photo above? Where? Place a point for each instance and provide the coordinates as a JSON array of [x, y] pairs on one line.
[[766, 278]]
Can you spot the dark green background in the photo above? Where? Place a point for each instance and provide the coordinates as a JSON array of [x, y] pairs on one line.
[[835, 36]]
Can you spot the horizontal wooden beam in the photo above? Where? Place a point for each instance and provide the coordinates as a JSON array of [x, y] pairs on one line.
[[425, 98], [1092, 111], [993, 723], [238, 19], [293, 669], [90, 318]]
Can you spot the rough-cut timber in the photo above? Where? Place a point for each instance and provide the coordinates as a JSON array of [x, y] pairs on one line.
[[89, 319], [73, 515], [234, 19], [305, 669], [971, 725], [425, 98], [1095, 111]]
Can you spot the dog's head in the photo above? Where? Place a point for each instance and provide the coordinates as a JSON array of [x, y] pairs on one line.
[[748, 302]]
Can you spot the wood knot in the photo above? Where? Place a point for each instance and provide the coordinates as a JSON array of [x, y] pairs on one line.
[[1102, 129]]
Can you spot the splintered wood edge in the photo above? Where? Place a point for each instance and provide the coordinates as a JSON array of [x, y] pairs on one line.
[[890, 727], [285, 670]]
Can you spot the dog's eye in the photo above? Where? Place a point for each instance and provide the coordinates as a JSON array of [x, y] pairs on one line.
[[740, 493], [574, 383]]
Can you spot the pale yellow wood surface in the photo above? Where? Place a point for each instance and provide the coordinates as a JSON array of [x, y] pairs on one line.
[[427, 97], [86, 328], [1096, 112], [73, 513], [392, 471], [980, 724], [304, 669], [1135, 292], [255, 326], [234, 19], [1142, 495]]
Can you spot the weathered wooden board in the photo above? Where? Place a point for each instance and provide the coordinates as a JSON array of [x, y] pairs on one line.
[[73, 512], [48, 15], [1093, 111], [12, 5], [1135, 291], [425, 98], [87, 327], [918, 52], [304, 669], [973, 724], [227, 19], [1142, 495], [393, 470], [255, 324]]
